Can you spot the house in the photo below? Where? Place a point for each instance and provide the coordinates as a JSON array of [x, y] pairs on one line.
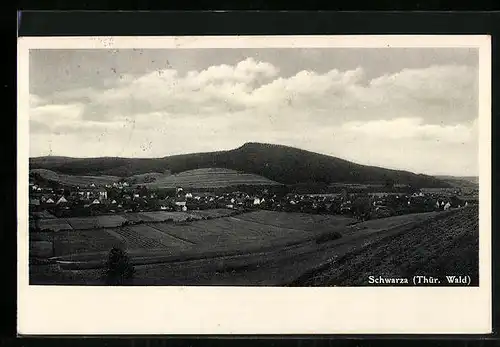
[[62, 200], [34, 202], [184, 208], [49, 201], [256, 201], [113, 202], [96, 202], [103, 195], [188, 195], [447, 206]]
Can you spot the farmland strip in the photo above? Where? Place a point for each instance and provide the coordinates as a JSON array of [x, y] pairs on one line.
[[173, 236]]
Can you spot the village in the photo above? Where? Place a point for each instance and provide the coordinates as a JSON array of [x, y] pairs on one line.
[[48, 200]]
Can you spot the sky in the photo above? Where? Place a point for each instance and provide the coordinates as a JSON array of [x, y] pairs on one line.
[[414, 109]]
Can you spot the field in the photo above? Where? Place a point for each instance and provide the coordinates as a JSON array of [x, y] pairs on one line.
[[448, 245], [209, 178], [55, 224], [113, 221], [268, 248], [213, 213]]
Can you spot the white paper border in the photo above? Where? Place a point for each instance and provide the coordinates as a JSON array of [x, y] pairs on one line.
[[255, 310]]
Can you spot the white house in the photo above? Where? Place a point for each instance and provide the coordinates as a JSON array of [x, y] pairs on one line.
[[62, 200], [184, 208], [256, 201], [163, 208], [95, 202], [447, 206], [35, 202], [49, 201], [189, 195], [113, 202]]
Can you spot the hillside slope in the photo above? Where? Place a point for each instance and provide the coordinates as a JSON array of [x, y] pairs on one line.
[[73, 180], [447, 244], [209, 178], [461, 182], [278, 163]]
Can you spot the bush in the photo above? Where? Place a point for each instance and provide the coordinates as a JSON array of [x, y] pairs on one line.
[[334, 235], [118, 269]]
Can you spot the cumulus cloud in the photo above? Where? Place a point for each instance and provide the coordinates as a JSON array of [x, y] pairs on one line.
[[413, 128], [165, 112]]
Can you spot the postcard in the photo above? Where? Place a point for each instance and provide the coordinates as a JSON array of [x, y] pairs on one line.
[[254, 185]]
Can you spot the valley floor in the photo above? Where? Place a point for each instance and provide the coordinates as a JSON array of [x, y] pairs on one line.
[[266, 248]]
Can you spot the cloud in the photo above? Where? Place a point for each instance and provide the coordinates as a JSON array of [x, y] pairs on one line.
[[413, 128], [164, 112]]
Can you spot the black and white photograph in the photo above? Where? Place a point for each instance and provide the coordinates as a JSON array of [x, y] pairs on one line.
[[254, 167], [299, 166]]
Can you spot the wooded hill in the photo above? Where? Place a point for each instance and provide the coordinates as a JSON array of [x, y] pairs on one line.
[[283, 164]]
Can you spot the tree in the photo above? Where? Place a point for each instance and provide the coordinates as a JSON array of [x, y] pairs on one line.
[[118, 269], [361, 207]]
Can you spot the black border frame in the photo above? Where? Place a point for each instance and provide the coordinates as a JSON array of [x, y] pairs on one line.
[[85, 23]]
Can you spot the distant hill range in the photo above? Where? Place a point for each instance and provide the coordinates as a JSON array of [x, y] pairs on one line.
[[277, 163], [461, 181]]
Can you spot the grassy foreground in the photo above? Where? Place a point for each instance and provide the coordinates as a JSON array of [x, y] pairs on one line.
[[445, 245]]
